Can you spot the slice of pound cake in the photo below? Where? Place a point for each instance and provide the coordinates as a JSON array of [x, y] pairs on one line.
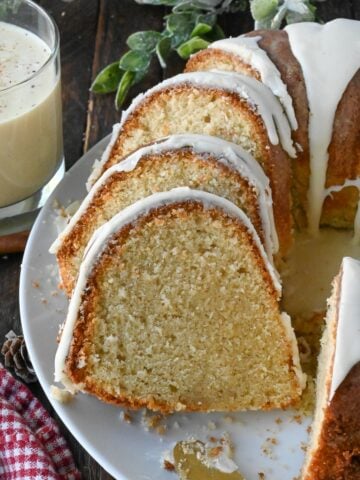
[[334, 450], [230, 106], [176, 308], [196, 161], [266, 55]]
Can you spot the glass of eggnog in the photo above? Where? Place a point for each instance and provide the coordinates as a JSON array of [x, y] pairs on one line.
[[31, 143]]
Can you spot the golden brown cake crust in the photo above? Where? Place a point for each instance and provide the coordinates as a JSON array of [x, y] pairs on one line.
[[206, 58], [344, 150], [276, 162], [338, 454], [344, 159], [84, 327], [276, 45]]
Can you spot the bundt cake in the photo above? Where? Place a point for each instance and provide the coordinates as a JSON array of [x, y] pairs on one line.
[[334, 450], [233, 107], [153, 265], [296, 64], [197, 161], [171, 267]]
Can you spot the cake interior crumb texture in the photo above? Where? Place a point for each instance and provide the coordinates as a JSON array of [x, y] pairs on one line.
[[181, 313], [155, 173], [196, 110]]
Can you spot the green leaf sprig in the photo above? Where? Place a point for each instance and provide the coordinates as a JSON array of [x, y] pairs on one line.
[[190, 27], [9, 6], [274, 13]]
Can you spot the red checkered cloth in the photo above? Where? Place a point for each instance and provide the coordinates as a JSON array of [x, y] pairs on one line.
[[31, 446]]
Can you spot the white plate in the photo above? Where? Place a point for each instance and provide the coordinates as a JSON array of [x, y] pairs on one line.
[[128, 451]]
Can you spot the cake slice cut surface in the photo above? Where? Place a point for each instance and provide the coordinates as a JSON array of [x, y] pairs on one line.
[[196, 161], [176, 308], [233, 107], [334, 449], [266, 56]]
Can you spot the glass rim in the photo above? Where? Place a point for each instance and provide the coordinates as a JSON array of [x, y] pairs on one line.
[[53, 52]]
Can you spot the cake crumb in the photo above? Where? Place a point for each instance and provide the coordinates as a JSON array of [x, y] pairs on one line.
[[304, 350], [153, 422], [161, 429], [211, 425], [125, 417], [180, 406], [61, 395], [168, 461], [170, 467], [215, 451], [303, 446], [35, 284], [298, 419], [228, 419], [261, 475], [267, 447], [60, 331], [278, 420]]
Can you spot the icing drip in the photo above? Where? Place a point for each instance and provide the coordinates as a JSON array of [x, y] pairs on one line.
[[130, 214], [320, 49], [248, 49], [227, 153], [338, 188], [97, 167], [347, 351], [259, 97]]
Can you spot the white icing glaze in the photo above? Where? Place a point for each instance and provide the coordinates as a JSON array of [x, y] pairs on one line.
[[329, 56], [290, 334], [97, 167], [248, 49], [347, 351], [258, 95], [99, 241], [338, 188], [227, 153]]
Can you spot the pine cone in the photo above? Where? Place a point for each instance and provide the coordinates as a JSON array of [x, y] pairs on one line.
[[16, 357]]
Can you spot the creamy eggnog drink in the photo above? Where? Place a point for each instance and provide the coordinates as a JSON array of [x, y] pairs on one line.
[[31, 150], [30, 114]]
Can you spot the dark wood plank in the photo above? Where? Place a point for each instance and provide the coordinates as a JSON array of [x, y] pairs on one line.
[[117, 20], [331, 9], [9, 287], [77, 22], [235, 24], [356, 9]]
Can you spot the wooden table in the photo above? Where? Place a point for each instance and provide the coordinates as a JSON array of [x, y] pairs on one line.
[[93, 34]]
